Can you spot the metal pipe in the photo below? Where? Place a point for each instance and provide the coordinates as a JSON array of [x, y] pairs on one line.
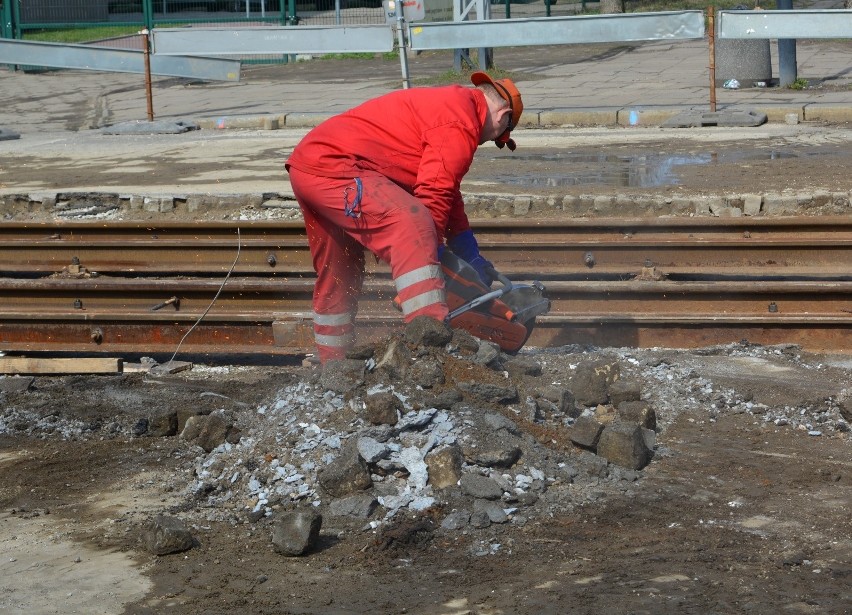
[[146, 51], [711, 26]]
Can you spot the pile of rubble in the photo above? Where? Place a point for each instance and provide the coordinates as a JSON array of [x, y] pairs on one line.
[[433, 422], [432, 429]]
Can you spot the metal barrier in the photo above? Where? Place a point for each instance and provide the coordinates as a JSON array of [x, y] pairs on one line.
[[116, 60], [813, 23]]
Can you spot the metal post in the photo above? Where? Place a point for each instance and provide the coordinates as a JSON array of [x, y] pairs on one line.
[[485, 54], [146, 51], [786, 51], [711, 27], [148, 13], [403, 56]]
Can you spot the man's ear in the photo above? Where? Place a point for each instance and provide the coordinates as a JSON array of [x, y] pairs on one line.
[[503, 113]]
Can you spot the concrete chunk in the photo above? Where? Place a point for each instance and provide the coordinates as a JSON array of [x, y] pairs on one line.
[[157, 127], [8, 135]]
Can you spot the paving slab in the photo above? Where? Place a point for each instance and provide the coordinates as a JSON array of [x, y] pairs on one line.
[[727, 118]]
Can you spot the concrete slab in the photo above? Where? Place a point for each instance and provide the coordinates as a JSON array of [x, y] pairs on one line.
[[8, 135], [726, 118], [157, 127], [827, 112]]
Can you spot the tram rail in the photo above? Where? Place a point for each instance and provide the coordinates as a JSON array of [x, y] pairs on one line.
[[106, 287]]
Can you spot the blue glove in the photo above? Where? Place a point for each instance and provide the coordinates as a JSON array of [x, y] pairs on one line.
[[465, 247]]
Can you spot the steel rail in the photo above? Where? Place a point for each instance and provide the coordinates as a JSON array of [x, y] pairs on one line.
[[546, 248], [637, 282]]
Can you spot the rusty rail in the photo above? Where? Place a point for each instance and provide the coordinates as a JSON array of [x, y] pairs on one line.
[[94, 287]]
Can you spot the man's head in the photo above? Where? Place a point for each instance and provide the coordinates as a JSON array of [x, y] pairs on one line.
[[505, 108]]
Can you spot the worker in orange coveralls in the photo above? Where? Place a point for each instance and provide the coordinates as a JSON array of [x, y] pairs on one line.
[[386, 176]]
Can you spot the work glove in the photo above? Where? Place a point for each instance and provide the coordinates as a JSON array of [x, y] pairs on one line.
[[465, 247]]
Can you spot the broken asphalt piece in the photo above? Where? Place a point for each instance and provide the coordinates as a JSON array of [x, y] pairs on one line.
[[157, 127], [729, 117]]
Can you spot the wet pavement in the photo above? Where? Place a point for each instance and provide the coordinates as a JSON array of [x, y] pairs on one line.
[[575, 96]]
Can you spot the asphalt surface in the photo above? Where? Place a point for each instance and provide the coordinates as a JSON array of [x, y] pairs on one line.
[[61, 115]]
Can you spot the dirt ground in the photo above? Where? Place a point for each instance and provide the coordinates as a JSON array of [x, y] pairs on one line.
[[743, 507]]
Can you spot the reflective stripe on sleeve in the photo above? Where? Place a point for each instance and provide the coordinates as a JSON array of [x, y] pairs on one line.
[[415, 276], [423, 300]]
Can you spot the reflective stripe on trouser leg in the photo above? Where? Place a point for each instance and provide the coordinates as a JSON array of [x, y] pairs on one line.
[[421, 292], [333, 334]]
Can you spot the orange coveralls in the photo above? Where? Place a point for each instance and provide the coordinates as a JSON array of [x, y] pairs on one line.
[[384, 176]]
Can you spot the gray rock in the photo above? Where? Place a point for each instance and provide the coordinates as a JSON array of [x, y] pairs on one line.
[[382, 408], [343, 375], [359, 506], [624, 444], [592, 379], [519, 366], [444, 400], [480, 520], [487, 392], [426, 331], [445, 466], [495, 453], [164, 535], [346, 475], [563, 399], [456, 520], [494, 510], [479, 486], [497, 422], [586, 432], [296, 533], [488, 353], [372, 450], [426, 372]]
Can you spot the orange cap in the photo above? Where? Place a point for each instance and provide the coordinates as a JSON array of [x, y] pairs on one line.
[[506, 88]]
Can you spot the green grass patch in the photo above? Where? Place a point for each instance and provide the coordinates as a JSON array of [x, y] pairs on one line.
[[79, 35], [799, 84], [348, 56]]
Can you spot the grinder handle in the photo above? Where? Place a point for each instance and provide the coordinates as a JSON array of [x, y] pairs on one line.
[[499, 276]]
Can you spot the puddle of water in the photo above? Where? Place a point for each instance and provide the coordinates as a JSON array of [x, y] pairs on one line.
[[630, 171]]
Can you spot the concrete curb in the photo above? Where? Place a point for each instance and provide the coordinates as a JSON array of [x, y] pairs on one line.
[[550, 118], [282, 205]]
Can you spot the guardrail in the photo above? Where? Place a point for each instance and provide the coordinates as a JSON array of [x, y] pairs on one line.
[[86, 57], [812, 23], [195, 52]]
